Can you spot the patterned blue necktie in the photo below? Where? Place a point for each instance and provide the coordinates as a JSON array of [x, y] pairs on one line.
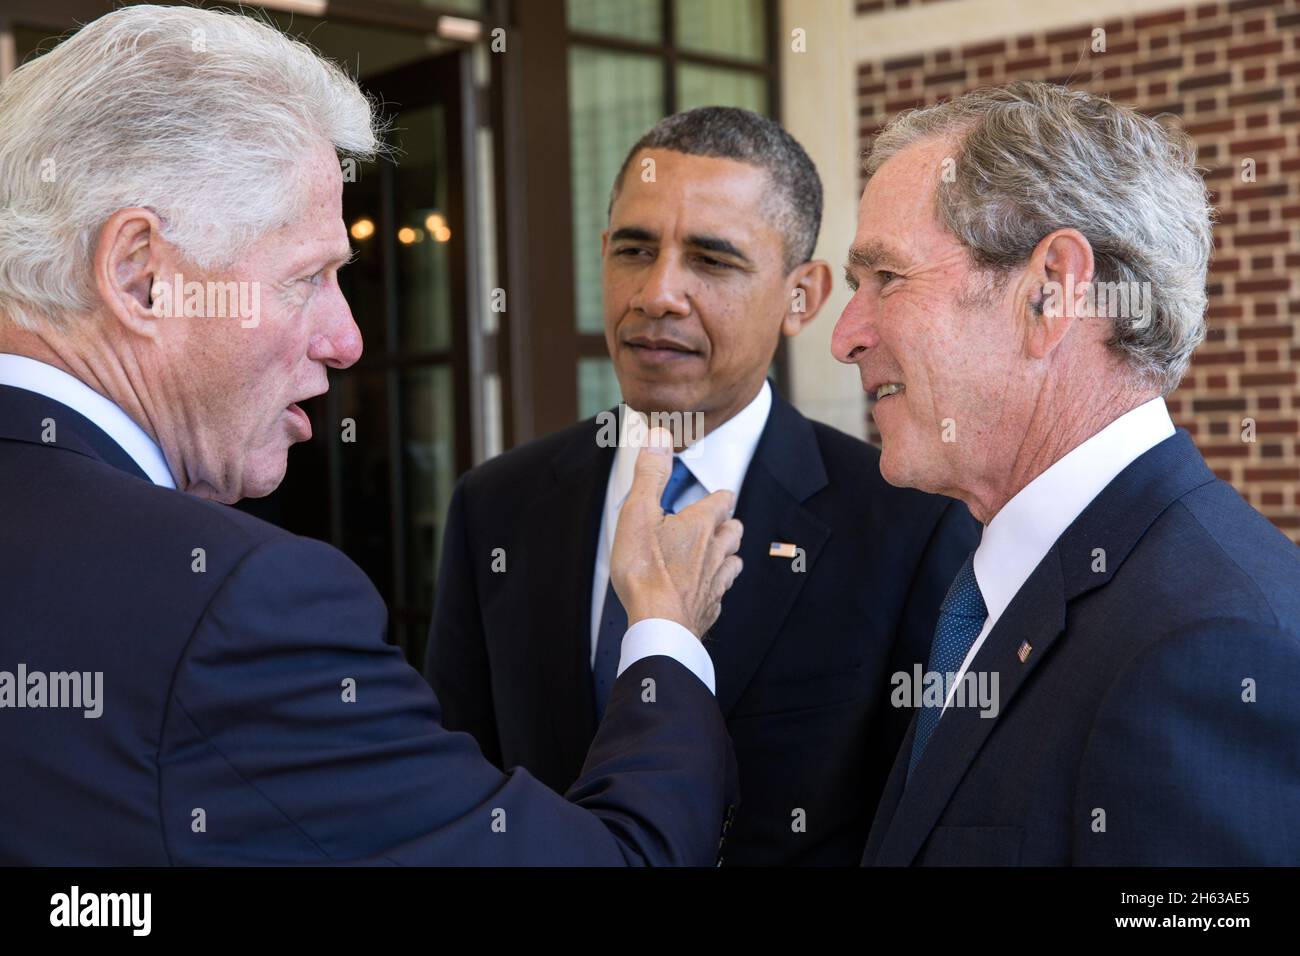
[[961, 618], [613, 619]]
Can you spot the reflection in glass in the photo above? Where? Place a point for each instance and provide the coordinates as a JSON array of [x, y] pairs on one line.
[[396, 476], [428, 473], [362, 282], [423, 239], [365, 499]]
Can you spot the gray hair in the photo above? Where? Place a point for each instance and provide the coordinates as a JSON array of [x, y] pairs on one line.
[[727, 132], [202, 116], [1031, 158]]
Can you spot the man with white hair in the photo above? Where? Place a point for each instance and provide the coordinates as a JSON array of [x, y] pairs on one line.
[[1138, 622], [179, 682]]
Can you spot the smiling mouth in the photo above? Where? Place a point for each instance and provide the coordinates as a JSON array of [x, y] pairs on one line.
[[660, 351], [889, 388]]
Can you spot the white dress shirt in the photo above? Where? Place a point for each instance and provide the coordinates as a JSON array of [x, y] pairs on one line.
[[718, 460], [33, 376], [1020, 535]]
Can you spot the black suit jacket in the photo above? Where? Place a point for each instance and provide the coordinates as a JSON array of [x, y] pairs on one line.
[[224, 692], [802, 658], [1129, 734]]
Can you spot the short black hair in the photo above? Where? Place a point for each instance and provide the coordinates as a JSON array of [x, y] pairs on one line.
[[727, 132]]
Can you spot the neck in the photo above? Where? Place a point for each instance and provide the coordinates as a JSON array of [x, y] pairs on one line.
[[717, 418], [688, 427], [96, 364], [1055, 428]]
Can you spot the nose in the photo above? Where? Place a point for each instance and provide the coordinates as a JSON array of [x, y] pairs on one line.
[[855, 331], [664, 291], [337, 341]]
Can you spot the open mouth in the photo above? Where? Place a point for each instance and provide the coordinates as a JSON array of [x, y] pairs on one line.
[[889, 388], [300, 417]]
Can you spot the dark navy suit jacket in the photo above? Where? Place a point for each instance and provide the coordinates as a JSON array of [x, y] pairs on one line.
[[225, 737], [802, 658], [1156, 718]]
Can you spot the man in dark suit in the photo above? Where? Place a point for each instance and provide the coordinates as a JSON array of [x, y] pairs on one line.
[[180, 682], [1117, 666], [706, 263]]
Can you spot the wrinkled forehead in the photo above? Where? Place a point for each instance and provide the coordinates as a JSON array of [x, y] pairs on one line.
[[898, 203], [699, 195], [905, 183], [320, 182], [314, 232], [666, 175]]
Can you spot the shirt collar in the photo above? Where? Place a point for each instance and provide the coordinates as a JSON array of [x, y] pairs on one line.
[[1021, 534], [33, 376], [718, 460]]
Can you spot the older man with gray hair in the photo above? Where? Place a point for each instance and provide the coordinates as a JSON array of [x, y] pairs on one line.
[[179, 682], [1029, 282]]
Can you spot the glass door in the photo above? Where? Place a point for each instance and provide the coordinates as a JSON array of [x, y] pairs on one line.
[[394, 431]]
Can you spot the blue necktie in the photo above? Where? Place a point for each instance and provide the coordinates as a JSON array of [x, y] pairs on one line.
[[613, 619], [961, 618]]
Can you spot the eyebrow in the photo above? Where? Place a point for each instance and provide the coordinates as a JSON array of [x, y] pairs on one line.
[[706, 243], [338, 261], [717, 244], [870, 254], [633, 233]]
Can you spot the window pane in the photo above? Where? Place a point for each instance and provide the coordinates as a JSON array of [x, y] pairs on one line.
[[597, 386], [364, 50], [423, 235], [363, 281], [727, 27], [631, 19], [714, 86], [429, 471], [365, 493], [613, 99]]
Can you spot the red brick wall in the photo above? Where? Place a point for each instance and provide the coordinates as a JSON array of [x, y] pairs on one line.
[[1230, 73]]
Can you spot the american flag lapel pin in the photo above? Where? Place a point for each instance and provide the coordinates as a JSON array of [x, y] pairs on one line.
[[781, 549], [1025, 650]]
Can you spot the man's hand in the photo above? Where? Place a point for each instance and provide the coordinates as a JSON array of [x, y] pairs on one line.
[[675, 567]]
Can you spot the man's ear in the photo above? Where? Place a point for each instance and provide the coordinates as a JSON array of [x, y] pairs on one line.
[[811, 288], [1052, 288], [128, 262]]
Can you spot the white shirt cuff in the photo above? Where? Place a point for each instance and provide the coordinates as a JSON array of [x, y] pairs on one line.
[[655, 636]]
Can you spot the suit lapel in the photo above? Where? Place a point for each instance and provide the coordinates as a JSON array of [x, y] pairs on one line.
[[786, 470], [1037, 616], [1114, 522], [22, 417], [567, 514], [890, 799]]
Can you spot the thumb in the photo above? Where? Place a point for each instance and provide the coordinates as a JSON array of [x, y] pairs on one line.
[[654, 464]]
